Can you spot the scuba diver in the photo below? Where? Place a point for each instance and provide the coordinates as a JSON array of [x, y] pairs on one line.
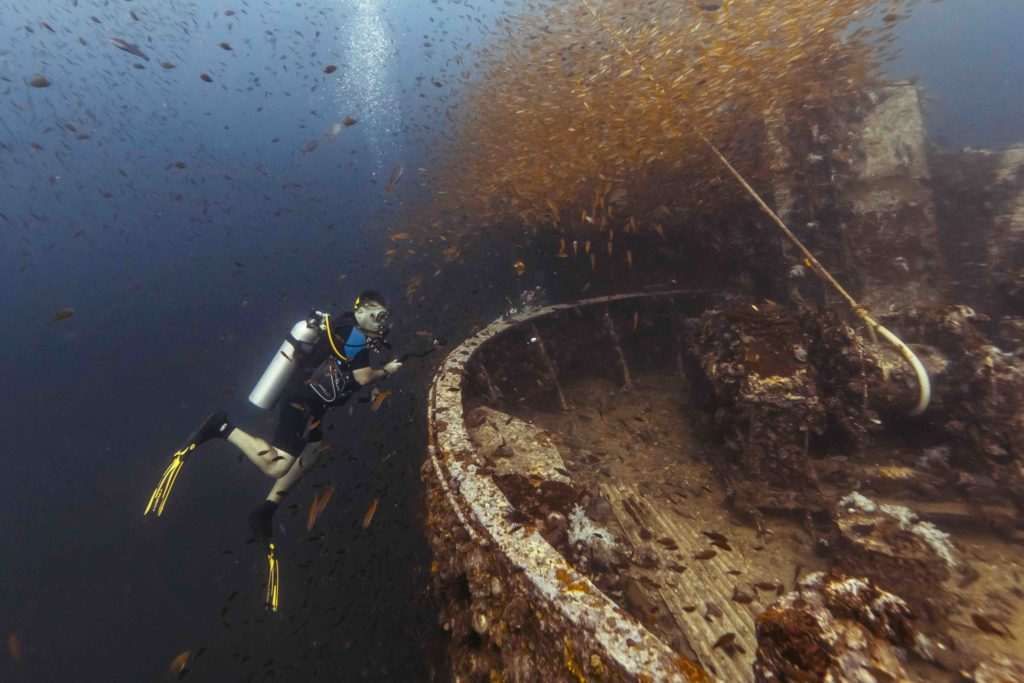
[[321, 364]]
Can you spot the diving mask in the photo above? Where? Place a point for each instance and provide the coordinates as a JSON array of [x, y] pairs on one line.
[[373, 317]]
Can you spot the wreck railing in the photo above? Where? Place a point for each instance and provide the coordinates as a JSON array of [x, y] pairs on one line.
[[575, 629]]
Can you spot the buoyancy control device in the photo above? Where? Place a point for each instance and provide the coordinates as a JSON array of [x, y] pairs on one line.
[[332, 381]]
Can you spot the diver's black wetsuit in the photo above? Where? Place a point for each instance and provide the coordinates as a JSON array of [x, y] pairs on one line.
[[322, 381]]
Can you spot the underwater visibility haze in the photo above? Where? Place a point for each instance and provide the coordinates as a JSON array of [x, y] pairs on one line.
[[182, 181]]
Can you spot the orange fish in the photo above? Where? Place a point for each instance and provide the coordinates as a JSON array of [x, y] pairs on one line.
[[378, 400], [179, 662], [325, 496], [311, 515], [368, 517], [316, 508], [451, 253], [14, 648], [396, 175], [62, 314], [413, 287], [554, 210]]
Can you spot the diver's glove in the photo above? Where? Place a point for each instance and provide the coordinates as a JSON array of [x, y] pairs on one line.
[[391, 367]]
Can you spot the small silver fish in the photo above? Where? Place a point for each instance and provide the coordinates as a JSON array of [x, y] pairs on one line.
[[396, 175], [130, 48]]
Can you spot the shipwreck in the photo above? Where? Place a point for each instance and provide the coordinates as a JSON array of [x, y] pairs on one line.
[[688, 485]]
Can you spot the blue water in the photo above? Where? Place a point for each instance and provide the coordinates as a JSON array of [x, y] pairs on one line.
[[968, 58], [183, 282]]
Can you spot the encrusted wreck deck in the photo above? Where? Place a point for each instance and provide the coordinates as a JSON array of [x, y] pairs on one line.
[[593, 516]]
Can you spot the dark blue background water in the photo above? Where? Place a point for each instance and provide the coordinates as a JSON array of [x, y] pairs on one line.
[[969, 59], [183, 282]]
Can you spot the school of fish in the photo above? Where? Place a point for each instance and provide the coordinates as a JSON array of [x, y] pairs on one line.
[[586, 116]]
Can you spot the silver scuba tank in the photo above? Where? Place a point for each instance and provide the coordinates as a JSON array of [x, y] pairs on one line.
[[287, 358]]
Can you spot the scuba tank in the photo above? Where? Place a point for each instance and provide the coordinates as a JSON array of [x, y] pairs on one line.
[[295, 346]]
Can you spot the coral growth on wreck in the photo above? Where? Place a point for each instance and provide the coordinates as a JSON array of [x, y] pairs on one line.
[[834, 628], [906, 520]]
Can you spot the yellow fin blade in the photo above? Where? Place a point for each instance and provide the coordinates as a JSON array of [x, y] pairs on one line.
[[273, 579], [158, 500]]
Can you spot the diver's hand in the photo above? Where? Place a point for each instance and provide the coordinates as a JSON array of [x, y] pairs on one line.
[[391, 367]]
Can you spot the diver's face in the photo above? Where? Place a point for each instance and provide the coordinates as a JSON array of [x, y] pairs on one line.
[[374, 318]]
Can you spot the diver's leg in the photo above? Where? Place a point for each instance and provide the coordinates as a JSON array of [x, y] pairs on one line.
[[261, 520], [306, 461], [273, 461]]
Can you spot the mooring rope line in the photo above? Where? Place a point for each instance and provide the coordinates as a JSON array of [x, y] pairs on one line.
[[924, 384]]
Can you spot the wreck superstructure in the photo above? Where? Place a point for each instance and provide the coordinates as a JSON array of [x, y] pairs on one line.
[[687, 485]]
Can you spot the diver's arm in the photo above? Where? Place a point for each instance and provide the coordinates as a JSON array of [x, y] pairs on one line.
[[368, 376]]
